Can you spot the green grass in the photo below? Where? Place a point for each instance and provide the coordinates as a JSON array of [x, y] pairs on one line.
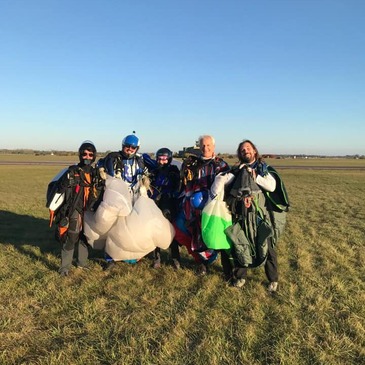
[[138, 315]]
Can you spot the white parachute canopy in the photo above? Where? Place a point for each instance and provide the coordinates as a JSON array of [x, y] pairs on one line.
[[123, 230]]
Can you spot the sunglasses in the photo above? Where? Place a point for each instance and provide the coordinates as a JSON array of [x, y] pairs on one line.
[[87, 154], [130, 146]]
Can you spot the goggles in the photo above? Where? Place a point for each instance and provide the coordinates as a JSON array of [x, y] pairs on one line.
[[162, 158], [129, 146]]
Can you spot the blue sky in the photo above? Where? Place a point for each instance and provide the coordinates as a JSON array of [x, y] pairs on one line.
[[287, 74]]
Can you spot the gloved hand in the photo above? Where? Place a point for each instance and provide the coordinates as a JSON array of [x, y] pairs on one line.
[[262, 169], [219, 183], [102, 173], [144, 179]]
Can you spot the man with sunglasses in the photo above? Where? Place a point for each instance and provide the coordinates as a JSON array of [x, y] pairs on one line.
[[80, 193], [125, 164]]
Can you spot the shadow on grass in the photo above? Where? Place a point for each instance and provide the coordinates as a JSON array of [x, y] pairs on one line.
[[24, 231]]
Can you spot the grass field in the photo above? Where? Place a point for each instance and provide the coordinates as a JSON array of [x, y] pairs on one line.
[[138, 315]]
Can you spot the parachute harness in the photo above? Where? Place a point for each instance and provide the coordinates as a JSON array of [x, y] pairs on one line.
[[189, 168]]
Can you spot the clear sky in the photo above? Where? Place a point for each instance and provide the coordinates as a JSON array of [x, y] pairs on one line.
[[287, 74]]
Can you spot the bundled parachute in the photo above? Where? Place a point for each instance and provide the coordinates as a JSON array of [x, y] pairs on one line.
[[124, 230]]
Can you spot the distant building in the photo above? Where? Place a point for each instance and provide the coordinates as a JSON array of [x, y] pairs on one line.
[[193, 150]]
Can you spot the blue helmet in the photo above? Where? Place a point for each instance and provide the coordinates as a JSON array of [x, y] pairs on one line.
[[198, 199], [130, 141]]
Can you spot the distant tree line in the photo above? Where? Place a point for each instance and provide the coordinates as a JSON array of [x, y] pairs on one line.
[[24, 151]]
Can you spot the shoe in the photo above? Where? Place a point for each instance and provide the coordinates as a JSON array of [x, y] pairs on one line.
[[176, 264], [64, 273], [228, 280], [109, 265], [202, 270], [273, 287], [239, 283], [157, 264]]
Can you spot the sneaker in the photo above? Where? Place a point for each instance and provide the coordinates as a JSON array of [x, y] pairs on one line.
[[273, 287], [109, 265], [239, 283], [176, 264], [202, 270], [64, 273]]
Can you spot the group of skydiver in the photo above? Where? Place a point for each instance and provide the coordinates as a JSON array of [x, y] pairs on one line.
[[253, 192]]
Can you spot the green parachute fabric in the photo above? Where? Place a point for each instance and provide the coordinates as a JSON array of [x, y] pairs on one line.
[[215, 219]]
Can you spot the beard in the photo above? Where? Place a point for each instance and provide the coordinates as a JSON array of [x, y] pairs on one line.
[[247, 158]]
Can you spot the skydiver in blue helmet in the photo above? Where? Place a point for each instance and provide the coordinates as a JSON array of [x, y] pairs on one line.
[[127, 165]]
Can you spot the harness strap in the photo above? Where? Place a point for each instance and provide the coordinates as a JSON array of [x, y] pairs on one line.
[[87, 180], [51, 217]]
